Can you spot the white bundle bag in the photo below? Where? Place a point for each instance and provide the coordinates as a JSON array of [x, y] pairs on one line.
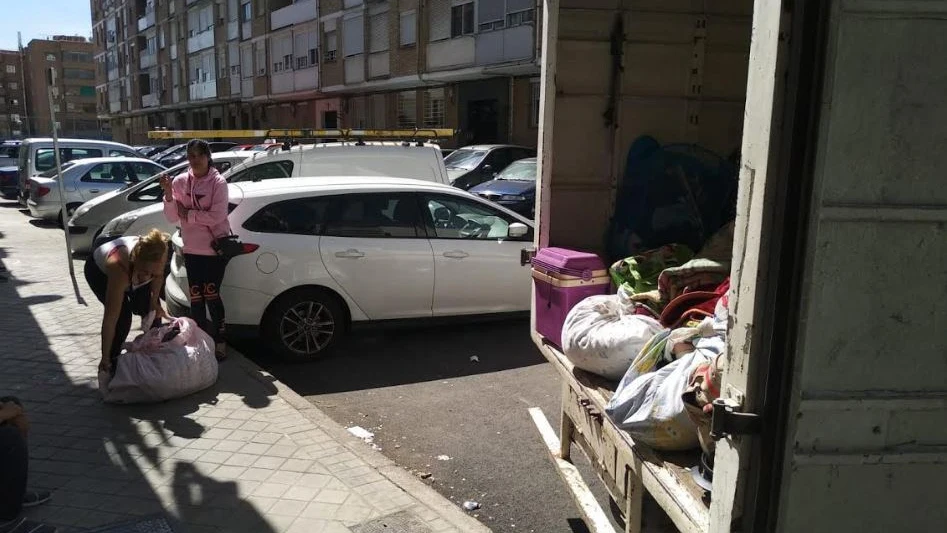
[[153, 370], [599, 337]]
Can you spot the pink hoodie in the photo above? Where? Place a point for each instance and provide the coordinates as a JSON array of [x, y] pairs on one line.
[[207, 198]]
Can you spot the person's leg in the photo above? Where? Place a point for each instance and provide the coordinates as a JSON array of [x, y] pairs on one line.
[[96, 279], [14, 465], [212, 296], [196, 278], [122, 328]]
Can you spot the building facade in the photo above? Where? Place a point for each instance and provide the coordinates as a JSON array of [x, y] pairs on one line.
[[73, 84], [470, 65], [12, 103]]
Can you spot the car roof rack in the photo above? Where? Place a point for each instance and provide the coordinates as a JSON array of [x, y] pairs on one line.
[[417, 135]]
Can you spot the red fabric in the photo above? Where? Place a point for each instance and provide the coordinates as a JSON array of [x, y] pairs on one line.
[[693, 305]]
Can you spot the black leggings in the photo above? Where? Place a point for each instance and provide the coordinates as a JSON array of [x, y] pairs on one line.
[[136, 302], [205, 273], [14, 468]]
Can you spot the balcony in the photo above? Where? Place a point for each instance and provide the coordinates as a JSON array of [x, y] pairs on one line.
[[451, 53], [246, 88], [149, 100], [173, 50], [233, 30], [355, 69], [202, 40], [113, 74], [507, 45], [294, 80], [115, 107], [202, 91], [294, 14], [147, 61], [246, 30], [147, 21], [378, 65]]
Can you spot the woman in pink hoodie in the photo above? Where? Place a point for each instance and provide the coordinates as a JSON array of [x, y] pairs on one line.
[[198, 201]]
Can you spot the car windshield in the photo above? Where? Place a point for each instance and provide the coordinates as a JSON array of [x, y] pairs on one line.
[[519, 171], [465, 159], [51, 173]]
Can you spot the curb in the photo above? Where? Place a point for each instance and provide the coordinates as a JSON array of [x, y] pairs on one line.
[[385, 466]]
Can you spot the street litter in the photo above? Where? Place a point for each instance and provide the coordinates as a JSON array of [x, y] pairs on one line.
[[471, 505], [474, 358], [424, 475], [362, 433], [443, 458]]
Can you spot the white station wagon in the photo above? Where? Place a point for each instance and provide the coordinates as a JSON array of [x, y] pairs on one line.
[[323, 253]]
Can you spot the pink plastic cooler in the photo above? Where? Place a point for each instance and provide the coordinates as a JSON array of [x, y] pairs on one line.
[[563, 278]]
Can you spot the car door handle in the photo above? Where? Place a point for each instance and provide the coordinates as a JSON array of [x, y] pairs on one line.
[[456, 254], [349, 254]]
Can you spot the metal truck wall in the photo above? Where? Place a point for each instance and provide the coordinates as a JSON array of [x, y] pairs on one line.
[[867, 439]]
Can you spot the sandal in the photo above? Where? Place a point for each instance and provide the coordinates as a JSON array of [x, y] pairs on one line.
[[32, 498]]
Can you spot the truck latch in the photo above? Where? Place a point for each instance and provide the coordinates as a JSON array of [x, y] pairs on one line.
[[727, 420], [527, 255]]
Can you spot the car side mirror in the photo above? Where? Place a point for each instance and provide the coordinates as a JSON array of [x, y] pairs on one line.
[[488, 168], [517, 230]]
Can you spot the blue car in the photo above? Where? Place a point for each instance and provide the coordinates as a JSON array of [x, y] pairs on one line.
[[514, 187]]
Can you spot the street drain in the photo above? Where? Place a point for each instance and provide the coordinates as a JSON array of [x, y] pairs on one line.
[[403, 522]]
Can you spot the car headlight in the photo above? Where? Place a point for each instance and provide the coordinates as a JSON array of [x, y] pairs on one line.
[[119, 225], [83, 209], [512, 198]]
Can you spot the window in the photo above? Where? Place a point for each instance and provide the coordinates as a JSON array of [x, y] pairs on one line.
[[378, 32], [407, 109], [460, 218], [408, 28], [246, 62], [462, 20], [77, 57], [143, 170], [332, 45], [520, 17], [498, 159], [353, 36], [233, 10], [78, 74], [246, 12], [115, 173], [11, 69], [439, 13], [261, 58], [305, 49], [300, 216], [281, 53], [434, 110], [374, 216], [534, 103], [13, 85], [116, 152], [265, 171], [50, 57], [490, 26]]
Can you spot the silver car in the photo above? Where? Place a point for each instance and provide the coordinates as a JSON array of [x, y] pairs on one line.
[[88, 220], [83, 180]]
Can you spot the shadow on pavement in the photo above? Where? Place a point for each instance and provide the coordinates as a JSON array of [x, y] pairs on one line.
[[385, 358], [106, 463]]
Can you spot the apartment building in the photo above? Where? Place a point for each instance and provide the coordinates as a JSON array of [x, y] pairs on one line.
[[74, 99], [471, 65], [12, 104]]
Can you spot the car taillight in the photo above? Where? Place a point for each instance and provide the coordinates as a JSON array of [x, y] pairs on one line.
[[42, 191], [247, 248]]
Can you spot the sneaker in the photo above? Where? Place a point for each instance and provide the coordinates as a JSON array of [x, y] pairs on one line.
[[32, 498]]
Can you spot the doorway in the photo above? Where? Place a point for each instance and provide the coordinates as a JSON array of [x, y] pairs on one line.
[[483, 121]]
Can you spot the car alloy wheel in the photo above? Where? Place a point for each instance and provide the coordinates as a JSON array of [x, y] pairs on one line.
[[307, 328]]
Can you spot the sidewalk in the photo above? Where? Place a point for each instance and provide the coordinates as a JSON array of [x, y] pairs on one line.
[[247, 455]]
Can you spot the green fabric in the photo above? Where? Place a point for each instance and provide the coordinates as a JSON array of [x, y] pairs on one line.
[[639, 273]]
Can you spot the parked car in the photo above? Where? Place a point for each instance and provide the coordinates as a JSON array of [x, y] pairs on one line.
[[387, 159], [36, 156], [473, 165], [446, 151], [150, 150], [178, 153], [90, 218], [9, 182], [323, 253], [514, 187], [9, 153], [83, 180]]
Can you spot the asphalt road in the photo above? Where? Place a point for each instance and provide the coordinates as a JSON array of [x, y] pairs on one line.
[[423, 397]]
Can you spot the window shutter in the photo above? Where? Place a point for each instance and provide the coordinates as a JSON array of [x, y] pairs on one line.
[[379, 32], [512, 6], [491, 11], [440, 19], [353, 36], [409, 22]]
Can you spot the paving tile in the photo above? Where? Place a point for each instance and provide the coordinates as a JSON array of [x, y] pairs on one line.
[[297, 465], [316, 481], [306, 494], [269, 462], [228, 446], [308, 525], [288, 507], [320, 510], [271, 490], [331, 496]]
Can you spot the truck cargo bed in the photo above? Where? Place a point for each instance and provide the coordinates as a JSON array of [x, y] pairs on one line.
[[626, 467]]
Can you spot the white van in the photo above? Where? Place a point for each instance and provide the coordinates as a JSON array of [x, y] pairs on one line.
[[384, 159], [421, 161], [36, 156]]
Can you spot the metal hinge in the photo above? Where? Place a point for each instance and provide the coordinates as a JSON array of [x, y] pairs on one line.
[[527, 255], [727, 420]]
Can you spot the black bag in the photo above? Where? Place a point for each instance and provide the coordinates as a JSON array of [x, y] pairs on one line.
[[228, 246]]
